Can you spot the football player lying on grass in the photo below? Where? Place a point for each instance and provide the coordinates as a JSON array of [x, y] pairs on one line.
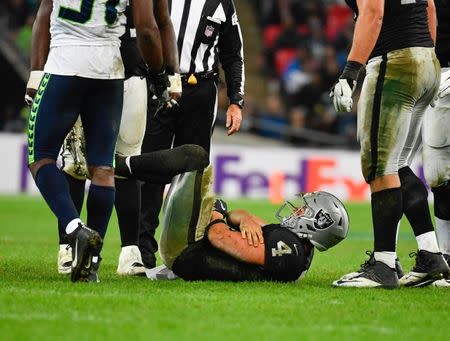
[[202, 240]]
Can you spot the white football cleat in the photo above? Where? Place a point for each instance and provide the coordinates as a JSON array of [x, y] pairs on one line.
[[160, 273], [442, 283], [130, 262], [64, 259]]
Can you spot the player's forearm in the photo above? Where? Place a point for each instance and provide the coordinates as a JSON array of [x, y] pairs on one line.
[[367, 30], [40, 38], [170, 49], [168, 38], [149, 43], [147, 34], [235, 217], [432, 20]]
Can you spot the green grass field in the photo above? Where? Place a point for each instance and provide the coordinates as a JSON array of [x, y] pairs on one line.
[[36, 303]]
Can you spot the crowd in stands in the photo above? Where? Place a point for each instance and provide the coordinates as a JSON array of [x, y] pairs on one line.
[[16, 20], [305, 45]]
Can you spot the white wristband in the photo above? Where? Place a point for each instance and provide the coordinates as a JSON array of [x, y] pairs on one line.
[[35, 79], [175, 83]]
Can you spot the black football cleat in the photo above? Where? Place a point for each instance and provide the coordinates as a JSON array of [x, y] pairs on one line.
[[93, 275], [373, 274], [399, 268], [429, 267], [85, 243]]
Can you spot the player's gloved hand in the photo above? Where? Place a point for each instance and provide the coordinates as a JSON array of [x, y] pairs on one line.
[[159, 83], [343, 90], [175, 90], [32, 85], [444, 88], [221, 207]]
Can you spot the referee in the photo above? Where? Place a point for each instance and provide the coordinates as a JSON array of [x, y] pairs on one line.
[[208, 33]]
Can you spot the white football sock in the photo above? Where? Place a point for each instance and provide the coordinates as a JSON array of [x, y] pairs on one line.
[[443, 233], [427, 241], [387, 257], [72, 225]]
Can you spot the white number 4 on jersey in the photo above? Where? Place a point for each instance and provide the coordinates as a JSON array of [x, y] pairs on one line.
[[282, 249]]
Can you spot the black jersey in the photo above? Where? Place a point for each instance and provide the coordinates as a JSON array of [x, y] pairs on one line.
[[405, 24], [443, 32], [287, 258], [131, 56]]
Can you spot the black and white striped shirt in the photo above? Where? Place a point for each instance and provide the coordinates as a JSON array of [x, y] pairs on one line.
[[208, 32]]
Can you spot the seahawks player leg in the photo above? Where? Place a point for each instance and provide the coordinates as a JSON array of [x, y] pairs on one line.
[[129, 142], [73, 165], [401, 80]]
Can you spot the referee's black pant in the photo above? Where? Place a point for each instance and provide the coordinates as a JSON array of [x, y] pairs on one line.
[[192, 122]]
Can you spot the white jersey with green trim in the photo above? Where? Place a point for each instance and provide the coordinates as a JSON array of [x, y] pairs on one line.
[[85, 38], [87, 22]]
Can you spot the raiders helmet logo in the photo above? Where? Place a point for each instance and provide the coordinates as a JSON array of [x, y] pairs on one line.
[[322, 220]]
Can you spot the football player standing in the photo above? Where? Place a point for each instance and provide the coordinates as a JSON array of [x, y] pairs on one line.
[[436, 151], [77, 70], [131, 135], [396, 40]]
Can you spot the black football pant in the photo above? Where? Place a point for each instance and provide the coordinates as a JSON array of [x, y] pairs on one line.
[[192, 122]]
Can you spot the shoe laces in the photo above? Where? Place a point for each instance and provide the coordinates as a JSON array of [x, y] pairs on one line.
[[418, 266], [368, 262]]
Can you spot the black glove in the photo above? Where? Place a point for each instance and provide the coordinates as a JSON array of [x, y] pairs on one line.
[[221, 207], [159, 82], [158, 86]]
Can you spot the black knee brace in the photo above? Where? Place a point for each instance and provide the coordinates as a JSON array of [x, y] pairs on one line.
[[442, 201]]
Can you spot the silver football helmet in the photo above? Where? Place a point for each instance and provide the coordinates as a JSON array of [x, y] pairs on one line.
[[319, 217]]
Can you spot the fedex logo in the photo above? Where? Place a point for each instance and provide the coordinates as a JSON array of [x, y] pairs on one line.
[[311, 174], [341, 175]]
